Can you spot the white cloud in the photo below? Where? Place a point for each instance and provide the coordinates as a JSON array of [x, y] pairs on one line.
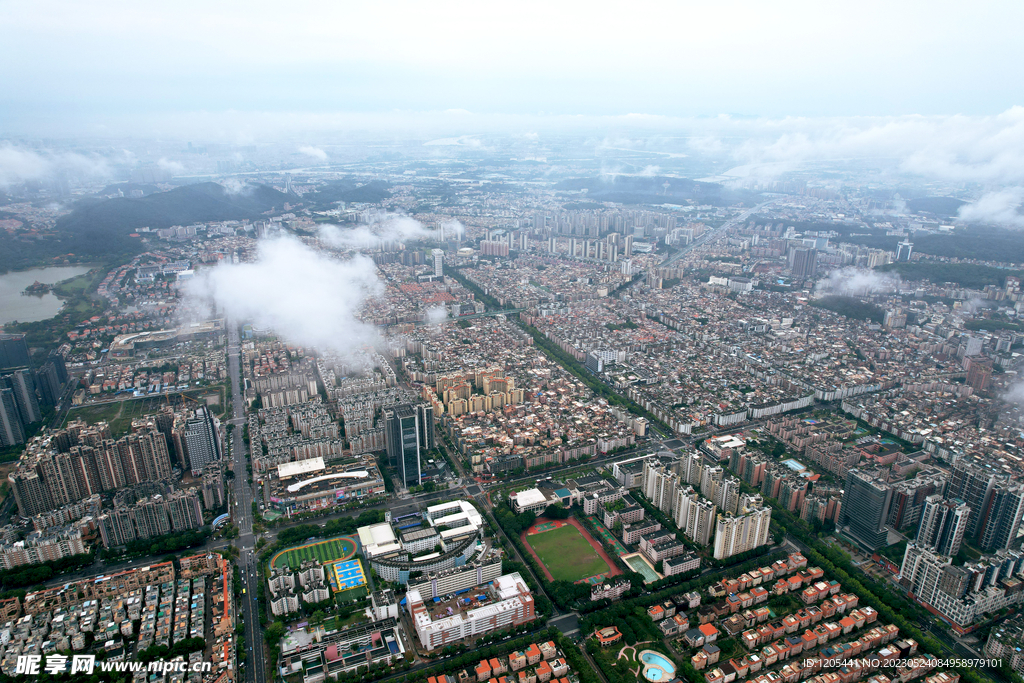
[[450, 229], [172, 167], [306, 297], [857, 282], [236, 186], [392, 229], [436, 315], [18, 165], [986, 149], [1001, 207], [314, 152]]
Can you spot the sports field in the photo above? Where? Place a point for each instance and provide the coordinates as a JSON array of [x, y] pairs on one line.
[[346, 575], [324, 552], [566, 554]]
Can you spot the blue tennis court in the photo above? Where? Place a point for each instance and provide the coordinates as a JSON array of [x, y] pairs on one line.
[[347, 574]]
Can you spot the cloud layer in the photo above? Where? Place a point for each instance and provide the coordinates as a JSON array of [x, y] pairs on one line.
[[391, 229], [306, 297], [19, 165], [857, 282], [314, 152], [1001, 207]]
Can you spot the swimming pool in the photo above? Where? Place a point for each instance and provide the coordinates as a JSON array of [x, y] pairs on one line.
[[657, 667], [793, 465]]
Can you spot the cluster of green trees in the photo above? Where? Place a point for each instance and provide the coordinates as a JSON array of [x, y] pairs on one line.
[[992, 324], [964, 274], [158, 545], [342, 526], [630, 617], [852, 308], [628, 325], [557, 511], [181, 648], [32, 574]]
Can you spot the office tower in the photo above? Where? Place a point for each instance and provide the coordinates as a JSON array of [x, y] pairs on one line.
[[973, 485], [13, 351], [12, 432], [903, 250], [805, 261], [425, 413], [201, 441], [438, 262], [24, 388], [1001, 518], [943, 523], [404, 438], [865, 509]]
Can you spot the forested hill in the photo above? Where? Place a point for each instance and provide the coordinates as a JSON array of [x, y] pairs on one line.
[[102, 227]]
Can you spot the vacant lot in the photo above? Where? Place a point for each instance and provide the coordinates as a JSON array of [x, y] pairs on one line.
[[566, 554]]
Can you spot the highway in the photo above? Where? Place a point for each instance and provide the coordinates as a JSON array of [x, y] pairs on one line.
[[241, 512]]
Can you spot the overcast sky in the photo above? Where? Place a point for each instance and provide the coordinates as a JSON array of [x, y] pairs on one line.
[[69, 66]]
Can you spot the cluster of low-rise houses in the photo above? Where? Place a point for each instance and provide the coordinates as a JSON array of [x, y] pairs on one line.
[[117, 616]]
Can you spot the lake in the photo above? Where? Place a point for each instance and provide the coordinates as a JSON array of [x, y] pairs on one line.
[[26, 309]]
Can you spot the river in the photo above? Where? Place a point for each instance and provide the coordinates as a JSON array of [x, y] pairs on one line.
[[16, 306]]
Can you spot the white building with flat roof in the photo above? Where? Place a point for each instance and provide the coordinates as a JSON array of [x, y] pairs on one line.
[[530, 500], [300, 467], [508, 603], [378, 539]]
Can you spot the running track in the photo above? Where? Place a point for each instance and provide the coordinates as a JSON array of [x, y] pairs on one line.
[[613, 569]]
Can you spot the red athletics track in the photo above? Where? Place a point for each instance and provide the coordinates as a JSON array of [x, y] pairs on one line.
[[613, 570]]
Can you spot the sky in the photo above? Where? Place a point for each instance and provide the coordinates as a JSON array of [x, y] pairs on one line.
[[88, 67]]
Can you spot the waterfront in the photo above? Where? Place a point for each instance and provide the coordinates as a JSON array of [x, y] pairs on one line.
[[16, 306]]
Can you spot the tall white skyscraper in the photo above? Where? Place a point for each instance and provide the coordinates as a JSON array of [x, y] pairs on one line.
[[438, 262]]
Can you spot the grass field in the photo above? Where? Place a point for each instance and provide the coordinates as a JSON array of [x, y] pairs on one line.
[[95, 413], [121, 413], [566, 554], [323, 552]]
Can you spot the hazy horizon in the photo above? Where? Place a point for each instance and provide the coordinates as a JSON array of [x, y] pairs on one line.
[[80, 69]]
